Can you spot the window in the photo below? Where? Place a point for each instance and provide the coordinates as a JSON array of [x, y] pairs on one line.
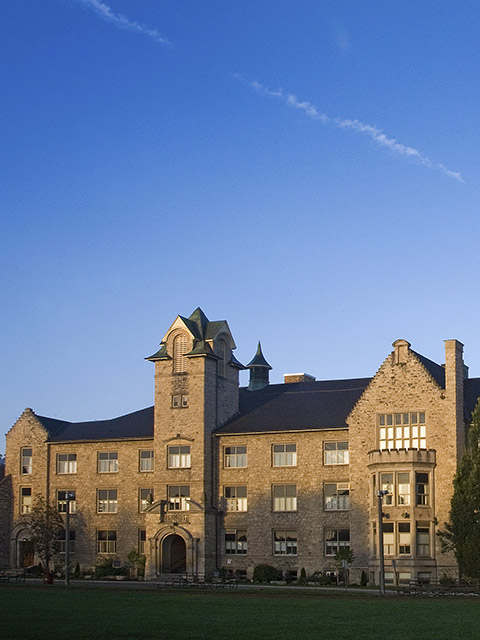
[[178, 497], [235, 498], [107, 462], [403, 489], [106, 541], [235, 457], [337, 496], [62, 501], [402, 430], [142, 538], [388, 539], [422, 489], [336, 538], [423, 539], [179, 401], [144, 498], [66, 463], [404, 577], [336, 452], [424, 577], [222, 358], [374, 539], [26, 461], [62, 541], [386, 484], [285, 497], [180, 347], [284, 455], [146, 460], [25, 499], [403, 535], [285, 542], [179, 457], [107, 501], [236, 542]]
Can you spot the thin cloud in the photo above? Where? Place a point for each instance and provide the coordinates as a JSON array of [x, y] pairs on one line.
[[376, 134], [121, 21]]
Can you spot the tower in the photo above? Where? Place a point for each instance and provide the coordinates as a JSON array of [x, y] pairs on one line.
[[196, 390]]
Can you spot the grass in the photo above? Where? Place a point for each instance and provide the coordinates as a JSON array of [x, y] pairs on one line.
[[80, 613]]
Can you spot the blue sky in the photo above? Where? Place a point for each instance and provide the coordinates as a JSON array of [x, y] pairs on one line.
[[306, 170]]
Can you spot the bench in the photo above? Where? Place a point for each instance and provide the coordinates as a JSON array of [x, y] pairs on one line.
[[12, 575]]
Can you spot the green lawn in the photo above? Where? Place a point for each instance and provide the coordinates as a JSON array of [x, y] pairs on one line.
[[78, 613]]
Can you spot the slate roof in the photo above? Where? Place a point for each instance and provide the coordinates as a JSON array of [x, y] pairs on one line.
[[136, 425], [471, 396], [299, 406]]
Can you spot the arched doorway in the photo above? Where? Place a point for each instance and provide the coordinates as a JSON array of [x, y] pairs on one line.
[[26, 554], [174, 554]]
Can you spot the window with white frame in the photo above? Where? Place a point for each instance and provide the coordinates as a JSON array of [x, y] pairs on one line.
[[25, 499], [179, 498], [179, 457], [235, 457], [423, 539], [284, 497], [66, 463], [403, 488], [337, 496], [62, 501], [284, 455], [107, 462], [62, 541], [180, 348], [142, 539], [336, 452], [403, 537], [406, 430], [26, 461], [145, 499], [236, 542], [106, 541], [107, 501], [179, 401], [285, 542], [388, 539], [146, 459], [336, 539], [422, 489], [235, 498], [386, 485]]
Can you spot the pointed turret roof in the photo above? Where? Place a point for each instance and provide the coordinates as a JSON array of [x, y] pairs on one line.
[[258, 359]]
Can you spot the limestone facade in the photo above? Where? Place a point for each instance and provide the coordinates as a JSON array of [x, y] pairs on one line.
[[215, 477]]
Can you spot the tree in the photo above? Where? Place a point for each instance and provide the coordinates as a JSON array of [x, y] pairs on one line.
[[462, 531], [343, 559], [45, 525]]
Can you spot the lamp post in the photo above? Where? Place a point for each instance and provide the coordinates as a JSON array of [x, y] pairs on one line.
[[380, 494], [69, 497]]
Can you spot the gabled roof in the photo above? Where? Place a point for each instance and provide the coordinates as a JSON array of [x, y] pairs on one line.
[[138, 424], [300, 406]]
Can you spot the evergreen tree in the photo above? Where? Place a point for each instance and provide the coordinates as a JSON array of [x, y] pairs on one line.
[[462, 532]]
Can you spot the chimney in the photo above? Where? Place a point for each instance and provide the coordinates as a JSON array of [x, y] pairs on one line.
[[289, 378], [400, 355]]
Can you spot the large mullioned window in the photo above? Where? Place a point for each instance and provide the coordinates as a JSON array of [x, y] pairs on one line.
[[405, 430]]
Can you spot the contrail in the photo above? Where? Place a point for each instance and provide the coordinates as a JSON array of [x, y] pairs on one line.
[[121, 21], [377, 135]]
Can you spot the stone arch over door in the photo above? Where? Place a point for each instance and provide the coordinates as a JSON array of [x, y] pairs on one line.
[[21, 547], [173, 550]]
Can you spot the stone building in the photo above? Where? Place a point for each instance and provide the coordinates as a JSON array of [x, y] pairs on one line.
[[215, 476]]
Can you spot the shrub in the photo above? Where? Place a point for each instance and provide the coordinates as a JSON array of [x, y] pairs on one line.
[[264, 573], [76, 572], [322, 579], [363, 579], [303, 576], [105, 568]]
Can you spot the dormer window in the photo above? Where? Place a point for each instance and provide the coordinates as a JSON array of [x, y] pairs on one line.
[[180, 348]]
